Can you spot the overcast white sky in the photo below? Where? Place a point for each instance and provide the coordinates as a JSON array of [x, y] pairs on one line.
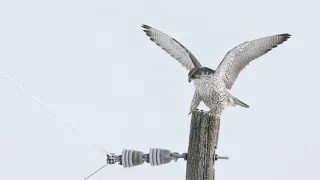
[[91, 62]]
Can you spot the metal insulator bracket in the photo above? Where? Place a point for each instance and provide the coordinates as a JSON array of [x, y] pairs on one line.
[[156, 157]]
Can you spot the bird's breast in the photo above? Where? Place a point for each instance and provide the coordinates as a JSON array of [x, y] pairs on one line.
[[211, 92], [205, 89]]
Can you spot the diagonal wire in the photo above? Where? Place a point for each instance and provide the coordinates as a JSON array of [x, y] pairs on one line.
[[96, 171], [54, 113]]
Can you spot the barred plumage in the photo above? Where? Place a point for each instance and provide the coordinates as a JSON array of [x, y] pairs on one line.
[[173, 47], [240, 56], [212, 87]]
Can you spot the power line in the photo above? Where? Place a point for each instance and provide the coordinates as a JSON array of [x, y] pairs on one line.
[[54, 113], [96, 171]]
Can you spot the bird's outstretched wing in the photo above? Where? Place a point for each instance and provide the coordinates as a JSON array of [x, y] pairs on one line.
[[173, 47], [240, 56]]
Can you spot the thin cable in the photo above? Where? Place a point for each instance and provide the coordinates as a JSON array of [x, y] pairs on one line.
[[95, 172], [54, 113]]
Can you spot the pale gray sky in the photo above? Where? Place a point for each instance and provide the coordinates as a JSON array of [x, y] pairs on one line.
[[91, 62]]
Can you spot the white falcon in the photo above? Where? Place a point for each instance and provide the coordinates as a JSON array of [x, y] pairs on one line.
[[213, 86]]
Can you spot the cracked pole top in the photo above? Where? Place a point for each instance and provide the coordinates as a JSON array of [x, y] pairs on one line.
[[203, 139]]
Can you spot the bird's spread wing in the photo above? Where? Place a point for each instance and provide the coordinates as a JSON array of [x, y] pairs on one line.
[[240, 56], [173, 47]]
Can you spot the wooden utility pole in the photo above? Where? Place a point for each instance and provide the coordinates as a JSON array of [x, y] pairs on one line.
[[203, 140]]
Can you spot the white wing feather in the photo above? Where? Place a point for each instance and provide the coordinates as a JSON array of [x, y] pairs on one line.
[[172, 47], [240, 56]]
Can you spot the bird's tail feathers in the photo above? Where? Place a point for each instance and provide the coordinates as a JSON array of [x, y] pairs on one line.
[[236, 101], [240, 103]]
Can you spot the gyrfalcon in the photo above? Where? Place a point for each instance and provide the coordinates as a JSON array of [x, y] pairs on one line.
[[213, 86]]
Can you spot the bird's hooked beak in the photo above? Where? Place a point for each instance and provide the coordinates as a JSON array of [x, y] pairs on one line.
[[192, 77]]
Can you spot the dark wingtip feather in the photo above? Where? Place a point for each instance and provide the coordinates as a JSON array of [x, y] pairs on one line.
[[148, 33], [285, 36], [147, 30], [146, 26]]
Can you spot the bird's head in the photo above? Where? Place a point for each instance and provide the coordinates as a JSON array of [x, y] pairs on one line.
[[193, 74], [198, 73]]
